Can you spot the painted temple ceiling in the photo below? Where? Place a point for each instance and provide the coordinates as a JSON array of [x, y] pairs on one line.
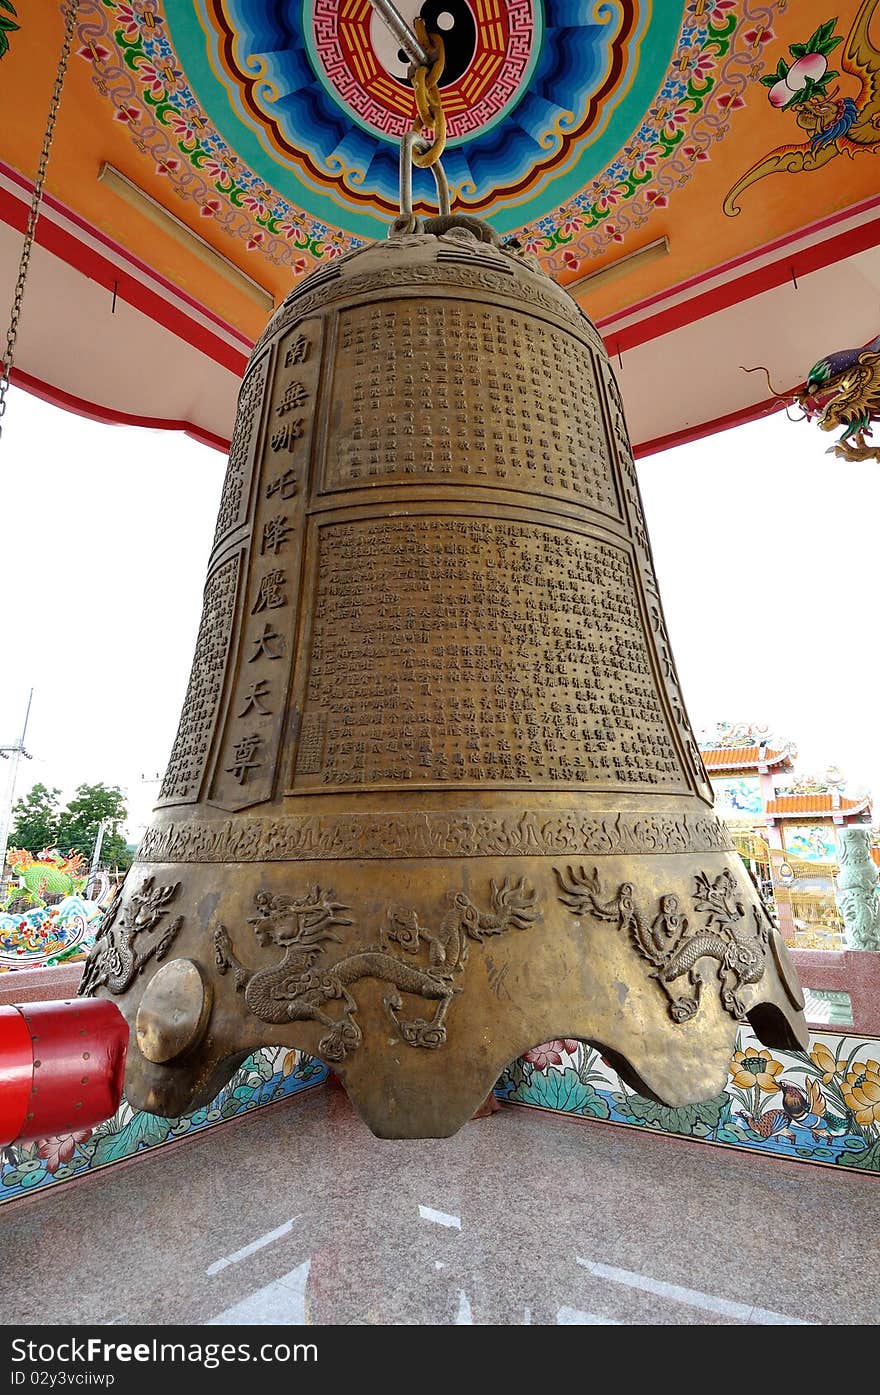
[[704, 154]]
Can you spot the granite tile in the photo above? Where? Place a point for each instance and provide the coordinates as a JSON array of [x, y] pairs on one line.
[[299, 1215]]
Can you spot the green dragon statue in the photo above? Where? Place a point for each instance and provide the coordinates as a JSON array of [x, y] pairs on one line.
[[51, 873]]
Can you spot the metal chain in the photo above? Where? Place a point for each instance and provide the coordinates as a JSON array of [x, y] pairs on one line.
[[407, 220], [417, 148], [428, 55], [429, 104], [36, 200], [403, 35]]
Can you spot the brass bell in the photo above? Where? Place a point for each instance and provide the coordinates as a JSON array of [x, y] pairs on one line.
[[434, 797]]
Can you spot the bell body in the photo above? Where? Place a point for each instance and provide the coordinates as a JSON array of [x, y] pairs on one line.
[[434, 797]]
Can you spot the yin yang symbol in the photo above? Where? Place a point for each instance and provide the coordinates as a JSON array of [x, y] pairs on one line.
[[453, 20]]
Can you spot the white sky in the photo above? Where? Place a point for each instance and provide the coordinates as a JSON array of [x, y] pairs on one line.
[[766, 551]]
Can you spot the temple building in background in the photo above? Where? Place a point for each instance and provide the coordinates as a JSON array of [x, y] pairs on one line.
[[757, 789], [784, 824]]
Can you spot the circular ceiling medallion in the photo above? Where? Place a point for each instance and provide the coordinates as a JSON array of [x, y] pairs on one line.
[[490, 49], [531, 89]]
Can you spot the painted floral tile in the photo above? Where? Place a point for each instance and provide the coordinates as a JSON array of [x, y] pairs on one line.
[[44, 936], [821, 1106], [269, 1075]]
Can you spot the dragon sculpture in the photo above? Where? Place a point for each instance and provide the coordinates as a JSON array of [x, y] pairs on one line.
[[833, 124], [51, 873], [115, 957], [669, 944], [408, 957], [841, 390]]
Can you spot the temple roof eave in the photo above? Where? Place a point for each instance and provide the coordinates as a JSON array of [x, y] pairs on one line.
[[798, 806], [733, 759]]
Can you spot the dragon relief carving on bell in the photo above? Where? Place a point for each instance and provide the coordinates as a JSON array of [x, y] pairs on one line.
[[434, 797]]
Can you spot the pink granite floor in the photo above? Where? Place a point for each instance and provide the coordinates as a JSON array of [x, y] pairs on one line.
[[299, 1215]]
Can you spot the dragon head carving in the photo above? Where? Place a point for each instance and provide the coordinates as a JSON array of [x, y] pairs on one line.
[[843, 391], [290, 920]]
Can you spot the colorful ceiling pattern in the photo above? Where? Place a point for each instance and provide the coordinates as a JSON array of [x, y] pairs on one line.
[[490, 54], [571, 120], [323, 87]]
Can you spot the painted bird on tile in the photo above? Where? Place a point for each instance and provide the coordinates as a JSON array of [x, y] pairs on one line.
[[799, 1110]]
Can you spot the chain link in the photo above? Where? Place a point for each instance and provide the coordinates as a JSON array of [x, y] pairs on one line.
[[36, 200], [429, 104], [407, 222], [416, 147]]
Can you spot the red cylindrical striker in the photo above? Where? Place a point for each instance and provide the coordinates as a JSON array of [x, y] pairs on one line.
[[61, 1067]]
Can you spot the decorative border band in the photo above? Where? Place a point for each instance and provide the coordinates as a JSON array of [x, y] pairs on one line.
[[303, 301], [454, 834]]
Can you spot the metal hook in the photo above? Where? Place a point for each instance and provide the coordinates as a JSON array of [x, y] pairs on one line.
[[403, 34], [407, 221], [444, 203]]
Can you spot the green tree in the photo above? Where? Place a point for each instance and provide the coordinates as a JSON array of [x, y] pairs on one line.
[[115, 852], [78, 824], [36, 818]]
